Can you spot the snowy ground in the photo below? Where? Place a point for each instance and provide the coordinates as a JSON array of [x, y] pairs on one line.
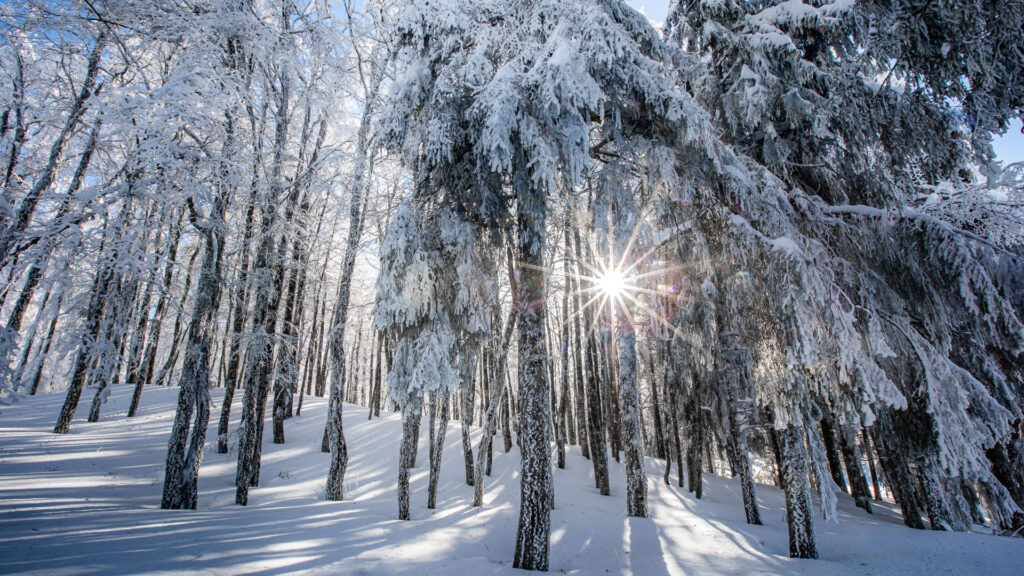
[[88, 503]]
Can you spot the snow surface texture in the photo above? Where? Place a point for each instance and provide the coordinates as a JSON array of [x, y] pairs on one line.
[[88, 503]]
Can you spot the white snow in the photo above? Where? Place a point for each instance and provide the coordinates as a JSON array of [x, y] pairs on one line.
[[88, 503]]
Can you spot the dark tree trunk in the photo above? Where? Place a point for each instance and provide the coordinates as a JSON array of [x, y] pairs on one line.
[[239, 309], [941, 515], [437, 448], [582, 426], [410, 421], [93, 320], [149, 355], [851, 457], [45, 349], [870, 453], [900, 482], [672, 383], [695, 446], [467, 362], [636, 477], [375, 379], [835, 459], [185, 453], [172, 355]]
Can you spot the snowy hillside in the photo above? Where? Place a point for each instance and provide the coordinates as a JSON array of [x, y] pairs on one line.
[[88, 503]]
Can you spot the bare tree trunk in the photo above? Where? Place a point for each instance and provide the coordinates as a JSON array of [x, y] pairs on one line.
[[737, 444], [93, 321], [595, 421], [20, 130], [536, 489], [900, 481], [798, 495], [497, 394], [869, 452], [376, 379], [45, 349], [695, 446], [626, 368], [361, 165], [467, 363], [851, 458], [172, 355], [410, 420], [660, 440], [835, 459], [582, 427], [437, 448], [239, 309], [149, 355], [636, 478], [185, 446], [672, 382], [268, 294]]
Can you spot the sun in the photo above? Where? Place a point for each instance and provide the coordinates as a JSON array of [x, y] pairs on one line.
[[612, 283]]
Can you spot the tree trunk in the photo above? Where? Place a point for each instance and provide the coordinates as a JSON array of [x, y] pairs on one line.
[[93, 319], [182, 469], [870, 453], [582, 424], [533, 537], [172, 355], [239, 312], [835, 459], [672, 383], [799, 517], [900, 482], [410, 421], [149, 355], [44, 351], [467, 363], [636, 477], [695, 446], [940, 513], [336, 436], [851, 457], [438, 449]]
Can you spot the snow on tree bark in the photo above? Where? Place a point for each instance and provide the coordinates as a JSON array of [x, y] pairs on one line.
[[533, 537], [799, 516]]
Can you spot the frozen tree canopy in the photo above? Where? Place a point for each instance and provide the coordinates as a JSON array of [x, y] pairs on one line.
[[763, 239]]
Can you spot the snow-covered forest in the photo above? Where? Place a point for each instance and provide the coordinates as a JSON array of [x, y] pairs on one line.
[[544, 263]]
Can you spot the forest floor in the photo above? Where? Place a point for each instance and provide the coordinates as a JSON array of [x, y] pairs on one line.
[[88, 503]]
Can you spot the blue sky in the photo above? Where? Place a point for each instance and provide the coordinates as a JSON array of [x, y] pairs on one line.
[[1009, 148]]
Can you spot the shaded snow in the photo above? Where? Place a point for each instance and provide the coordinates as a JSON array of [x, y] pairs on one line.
[[88, 503]]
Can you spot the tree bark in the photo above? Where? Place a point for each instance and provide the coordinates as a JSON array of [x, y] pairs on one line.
[[410, 421], [533, 536], [185, 453], [851, 457], [799, 517], [437, 449]]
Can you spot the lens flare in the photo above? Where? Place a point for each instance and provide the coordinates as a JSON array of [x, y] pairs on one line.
[[612, 283]]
